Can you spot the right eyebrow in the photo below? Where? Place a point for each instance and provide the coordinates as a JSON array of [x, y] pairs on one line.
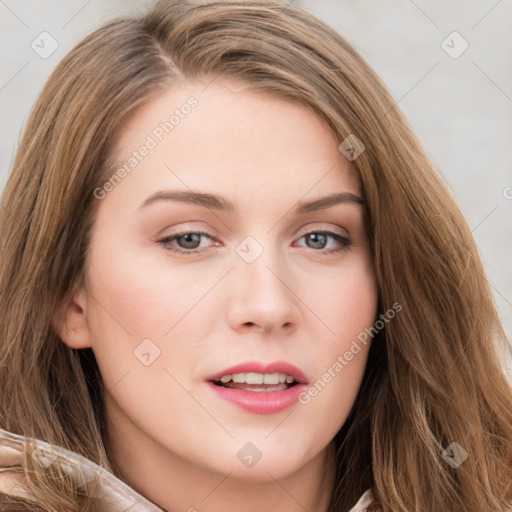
[[210, 201]]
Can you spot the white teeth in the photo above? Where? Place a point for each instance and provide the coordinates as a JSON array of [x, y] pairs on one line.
[[254, 378], [271, 378], [258, 378]]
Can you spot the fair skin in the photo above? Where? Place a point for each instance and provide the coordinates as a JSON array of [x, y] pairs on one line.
[[176, 441]]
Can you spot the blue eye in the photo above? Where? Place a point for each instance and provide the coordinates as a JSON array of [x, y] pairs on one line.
[[321, 237], [190, 238], [190, 241]]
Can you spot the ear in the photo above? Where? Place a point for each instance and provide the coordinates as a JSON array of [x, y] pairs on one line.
[[70, 323]]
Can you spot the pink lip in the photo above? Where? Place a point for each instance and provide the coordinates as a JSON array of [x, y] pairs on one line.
[[261, 402], [257, 367]]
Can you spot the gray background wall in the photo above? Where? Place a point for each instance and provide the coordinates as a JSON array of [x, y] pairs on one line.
[[455, 89]]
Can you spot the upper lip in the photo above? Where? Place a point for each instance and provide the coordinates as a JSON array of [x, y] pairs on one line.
[[258, 367]]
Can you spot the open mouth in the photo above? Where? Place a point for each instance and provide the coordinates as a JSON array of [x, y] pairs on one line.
[[259, 393], [257, 382]]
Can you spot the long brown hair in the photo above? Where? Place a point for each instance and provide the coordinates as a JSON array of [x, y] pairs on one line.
[[433, 375]]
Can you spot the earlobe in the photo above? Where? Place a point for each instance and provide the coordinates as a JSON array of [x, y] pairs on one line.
[[71, 322]]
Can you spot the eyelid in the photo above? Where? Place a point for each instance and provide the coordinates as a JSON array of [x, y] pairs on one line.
[[336, 229]]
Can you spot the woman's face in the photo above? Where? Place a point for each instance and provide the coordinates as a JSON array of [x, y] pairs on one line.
[[280, 283]]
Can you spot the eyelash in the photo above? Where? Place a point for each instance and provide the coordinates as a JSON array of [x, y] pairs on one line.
[[346, 242]]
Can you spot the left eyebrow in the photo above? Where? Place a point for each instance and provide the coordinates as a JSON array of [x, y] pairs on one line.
[[214, 202], [326, 202]]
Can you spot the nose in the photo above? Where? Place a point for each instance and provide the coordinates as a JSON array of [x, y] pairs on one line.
[[263, 296]]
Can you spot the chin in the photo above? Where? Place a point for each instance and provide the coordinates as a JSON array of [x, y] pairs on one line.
[[270, 461], [271, 470]]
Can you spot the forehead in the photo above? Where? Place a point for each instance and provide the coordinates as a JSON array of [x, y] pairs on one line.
[[226, 137]]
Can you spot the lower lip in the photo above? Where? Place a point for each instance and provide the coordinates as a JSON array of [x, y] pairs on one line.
[[260, 402]]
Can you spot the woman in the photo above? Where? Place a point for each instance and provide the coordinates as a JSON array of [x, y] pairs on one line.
[[332, 344]]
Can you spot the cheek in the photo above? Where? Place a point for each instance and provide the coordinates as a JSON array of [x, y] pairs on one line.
[[350, 304], [356, 307], [350, 310], [138, 298], [137, 308], [139, 330]]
